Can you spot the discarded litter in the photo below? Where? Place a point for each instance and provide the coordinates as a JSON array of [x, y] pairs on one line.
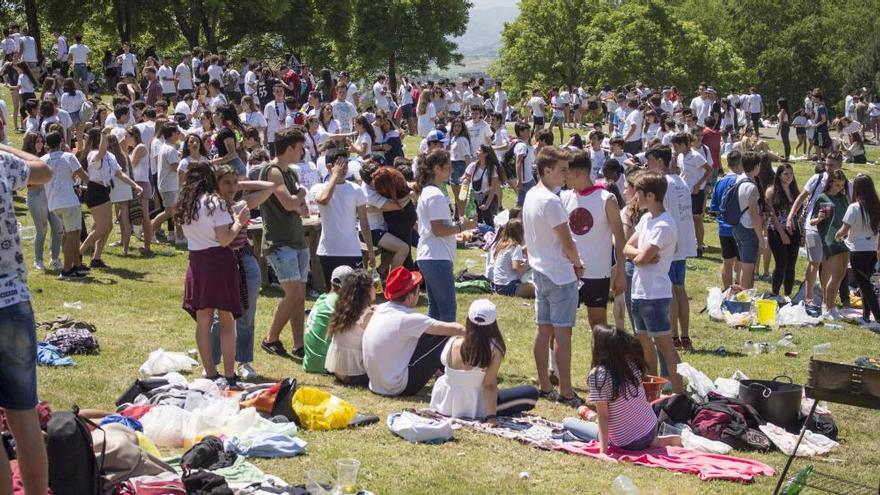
[[524, 476], [822, 348], [73, 305], [833, 326], [623, 485]]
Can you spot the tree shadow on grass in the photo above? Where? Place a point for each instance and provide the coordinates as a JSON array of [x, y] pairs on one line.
[[125, 273]]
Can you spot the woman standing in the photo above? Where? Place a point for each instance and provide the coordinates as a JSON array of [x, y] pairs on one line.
[[25, 86], [784, 242], [325, 119], [212, 278], [861, 223], [71, 101], [460, 154], [484, 175], [139, 159], [101, 167], [251, 115], [38, 206], [436, 250], [783, 129], [828, 216], [426, 114], [120, 193], [229, 134], [363, 144]]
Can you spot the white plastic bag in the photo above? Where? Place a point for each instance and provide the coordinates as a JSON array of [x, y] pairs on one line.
[[713, 304], [727, 387], [691, 440], [813, 443], [210, 417], [698, 384], [417, 429], [160, 362], [165, 425], [795, 315]]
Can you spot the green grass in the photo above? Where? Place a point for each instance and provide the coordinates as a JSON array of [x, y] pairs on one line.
[[136, 306]]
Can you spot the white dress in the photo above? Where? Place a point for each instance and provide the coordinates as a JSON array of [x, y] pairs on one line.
[[458, 393], [120, 192], [345, 356]]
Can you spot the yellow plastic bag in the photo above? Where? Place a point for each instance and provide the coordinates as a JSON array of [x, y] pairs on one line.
[[148, 445], [318, 410]]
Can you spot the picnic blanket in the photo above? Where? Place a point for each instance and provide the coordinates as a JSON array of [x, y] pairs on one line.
[[544, 434]]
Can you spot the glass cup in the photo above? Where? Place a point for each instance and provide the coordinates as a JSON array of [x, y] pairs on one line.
[[347, 474], [319, 483]]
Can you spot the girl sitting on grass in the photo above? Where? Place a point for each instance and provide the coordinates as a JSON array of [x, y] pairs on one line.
[[509, 264], [352, 312], [626, 419], [469, 385]]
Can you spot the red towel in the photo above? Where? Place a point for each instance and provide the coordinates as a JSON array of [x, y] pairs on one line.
[[136, 412], [680, 460]]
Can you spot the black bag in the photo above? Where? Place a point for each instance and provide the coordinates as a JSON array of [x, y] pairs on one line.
[[207, 454], [283, 405], [205, 483], [73, 469], [822, 424], [730, 421], [676, 409], [139, 387], [508, 161]]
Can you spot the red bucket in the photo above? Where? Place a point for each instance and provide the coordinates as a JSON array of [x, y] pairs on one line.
[[653, 385]]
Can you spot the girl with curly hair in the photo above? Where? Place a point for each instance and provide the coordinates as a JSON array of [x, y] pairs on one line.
[[345, 357]]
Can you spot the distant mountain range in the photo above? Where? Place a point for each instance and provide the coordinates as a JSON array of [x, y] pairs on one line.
[[481, 41]]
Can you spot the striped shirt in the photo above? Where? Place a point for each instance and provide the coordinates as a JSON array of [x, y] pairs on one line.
[[630, 416]]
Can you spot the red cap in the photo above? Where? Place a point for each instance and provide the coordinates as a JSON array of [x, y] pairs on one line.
[[401, 282]]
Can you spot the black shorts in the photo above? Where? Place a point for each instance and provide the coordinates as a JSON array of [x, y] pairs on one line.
[[698, 202], [183, 92], [169, 96], [728, 247], [538, 120], [594, 292], [800, 131], [96, 194]]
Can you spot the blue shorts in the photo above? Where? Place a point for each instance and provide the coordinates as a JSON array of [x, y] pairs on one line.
[[289, 264], [651, 316], [18, 357], [555, 304], [747, 243], [508, 289], [458, 168], [677, 271]]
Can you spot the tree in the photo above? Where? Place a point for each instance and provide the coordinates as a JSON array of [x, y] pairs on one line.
[[33, 22]]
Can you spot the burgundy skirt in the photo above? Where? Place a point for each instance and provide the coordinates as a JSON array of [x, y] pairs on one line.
[[212, 282]]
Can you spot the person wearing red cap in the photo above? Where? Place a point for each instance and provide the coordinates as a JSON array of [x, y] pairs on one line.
[[402, 348]]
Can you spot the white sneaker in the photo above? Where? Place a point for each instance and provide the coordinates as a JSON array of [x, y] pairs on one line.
[[38, 265], [246, 372], [872, 326], [834, 314], [56, 264]]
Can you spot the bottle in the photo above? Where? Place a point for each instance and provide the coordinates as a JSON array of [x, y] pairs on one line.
[[797, 483], [377, 282], [751, 348], [73, 305], [623, 485], [787, 340], [822, 348]]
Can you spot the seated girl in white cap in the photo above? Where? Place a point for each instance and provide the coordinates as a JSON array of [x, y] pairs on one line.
[[469, 386]]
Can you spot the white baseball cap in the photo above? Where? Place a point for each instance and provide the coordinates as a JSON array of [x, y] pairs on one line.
[[482, 312], [339, 274]]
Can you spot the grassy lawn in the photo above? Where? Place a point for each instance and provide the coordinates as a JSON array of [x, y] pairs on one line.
[[136, 305]]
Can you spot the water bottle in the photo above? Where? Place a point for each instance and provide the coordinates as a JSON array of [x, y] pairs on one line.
[[377, 282], [787, 340], [751, 348], [73, 305], [822, 348], [623, 485]]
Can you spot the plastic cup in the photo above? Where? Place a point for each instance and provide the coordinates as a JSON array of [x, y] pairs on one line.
[[668, 429], [347, 474], [27, 233], [319, 483]]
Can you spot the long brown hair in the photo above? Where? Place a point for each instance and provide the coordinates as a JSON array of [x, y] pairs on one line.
[[511, 235], [427, 163], [354, 297], [199, 180], [479, 343], [618, 353], [865, 195]]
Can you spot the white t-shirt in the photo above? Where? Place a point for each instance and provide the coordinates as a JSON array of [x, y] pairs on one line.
[[500, 100], [389, 342], [164, 73], [691, 166], [375, 203], [141, 169], [636, 117], [339, 220], [481, 133], [502, 271], [381, 100], [537, 105], [185, 74], [59, 189], [29, 49], [597, 161], [405, 94], [350, 92], [433, 205], [307, 173], [250, 77], [26, 85], [426, 120], [166, 158], [253, 119], [528, 152], [275, 114], [200, 234], [752, 104], [345, 112], [745, 191], [215, 73], [861, 237], [72, 102], [460, 149], [652, 281], [481, 177], [102, 172], [558, 104], [590, 230], [127, 63], [364, 141], [79, 53], [542, 212], [677, 202], [500, 138]]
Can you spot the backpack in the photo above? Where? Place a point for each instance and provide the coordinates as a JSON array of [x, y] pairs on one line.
[[508, 161], [730, 421], [730, 211], [73, 468], [73, 341]]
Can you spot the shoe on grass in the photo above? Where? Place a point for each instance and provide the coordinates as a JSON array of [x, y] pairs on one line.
[[574, 401], [38, 265], [298, 354], [97, 263], [276, 348], [246, 372], [56, 264], [71, 274]]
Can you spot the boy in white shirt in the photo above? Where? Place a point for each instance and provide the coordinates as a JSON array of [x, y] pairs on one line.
[[275, 114], [165, 74], [593, 218], [343, 110], [651, 248], [696, 172], [500, 100], [524, 155], [184, 77], [559, 105], [536, 110], [168, 185], [79, 55], [500, 137], [632, 135], [557, 267], [480, 131]]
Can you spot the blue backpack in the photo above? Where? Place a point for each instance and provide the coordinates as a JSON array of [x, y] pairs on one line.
[[730, 211]]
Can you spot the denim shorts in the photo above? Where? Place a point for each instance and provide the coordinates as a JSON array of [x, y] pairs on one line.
[[169, 198], [289, 264], [651, 316], [746, 243], [70, 217], [677, 271], [508, 289], [458, 168], [555, 304], [18, 357]]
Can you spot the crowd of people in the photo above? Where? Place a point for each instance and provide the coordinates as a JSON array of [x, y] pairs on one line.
[[193, 154]]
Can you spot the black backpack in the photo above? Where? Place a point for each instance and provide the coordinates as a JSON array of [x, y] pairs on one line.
[[73, 468], [730, 211], [508, 161]]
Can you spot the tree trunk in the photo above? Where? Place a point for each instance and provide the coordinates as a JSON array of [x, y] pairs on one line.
[[209, 26], [182, 16], [122, 16], [33, 22], [392, 71]]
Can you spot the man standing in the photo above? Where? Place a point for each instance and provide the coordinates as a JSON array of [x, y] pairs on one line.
[[127, 61], [18, 345], [61, 51], [28, 50], [343, 110], [275, 114], [351, 90], [79, 54], [380, 94], [166, 80], [183, 76], [154, 89], [500, 102], [755, 108]]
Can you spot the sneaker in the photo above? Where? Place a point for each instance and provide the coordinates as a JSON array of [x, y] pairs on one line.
[[298, 354], [38, 265], [56, 264], [699, 252], [276, 348], [872, 326], [232, 382], [686, 343], [552, 395], [97, 263], [246, 372], [82, 269], [676, 342], [71, 274], [574, 401], [834, 315]]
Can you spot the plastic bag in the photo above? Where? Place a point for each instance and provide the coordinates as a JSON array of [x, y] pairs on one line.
[[713, 304], [318, 410], [811, 445], [160, 362], [209, 417], [691, 440], [795, 315], [727, 387], [698, 384], [737, 319], [164, 425], [417, 429]]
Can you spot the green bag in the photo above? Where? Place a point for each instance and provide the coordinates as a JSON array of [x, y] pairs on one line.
[[473, 287]]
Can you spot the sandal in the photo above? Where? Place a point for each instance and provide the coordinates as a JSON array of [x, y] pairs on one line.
[[686, 343], [574, 401], [550, 395], [676, 342]]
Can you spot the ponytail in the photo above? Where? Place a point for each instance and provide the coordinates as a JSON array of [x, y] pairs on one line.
[[427, 162]]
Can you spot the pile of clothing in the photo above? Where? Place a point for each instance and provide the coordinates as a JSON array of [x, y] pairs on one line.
[[65, 337]]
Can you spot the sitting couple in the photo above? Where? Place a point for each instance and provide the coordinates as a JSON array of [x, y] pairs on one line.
[[404, 349]]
